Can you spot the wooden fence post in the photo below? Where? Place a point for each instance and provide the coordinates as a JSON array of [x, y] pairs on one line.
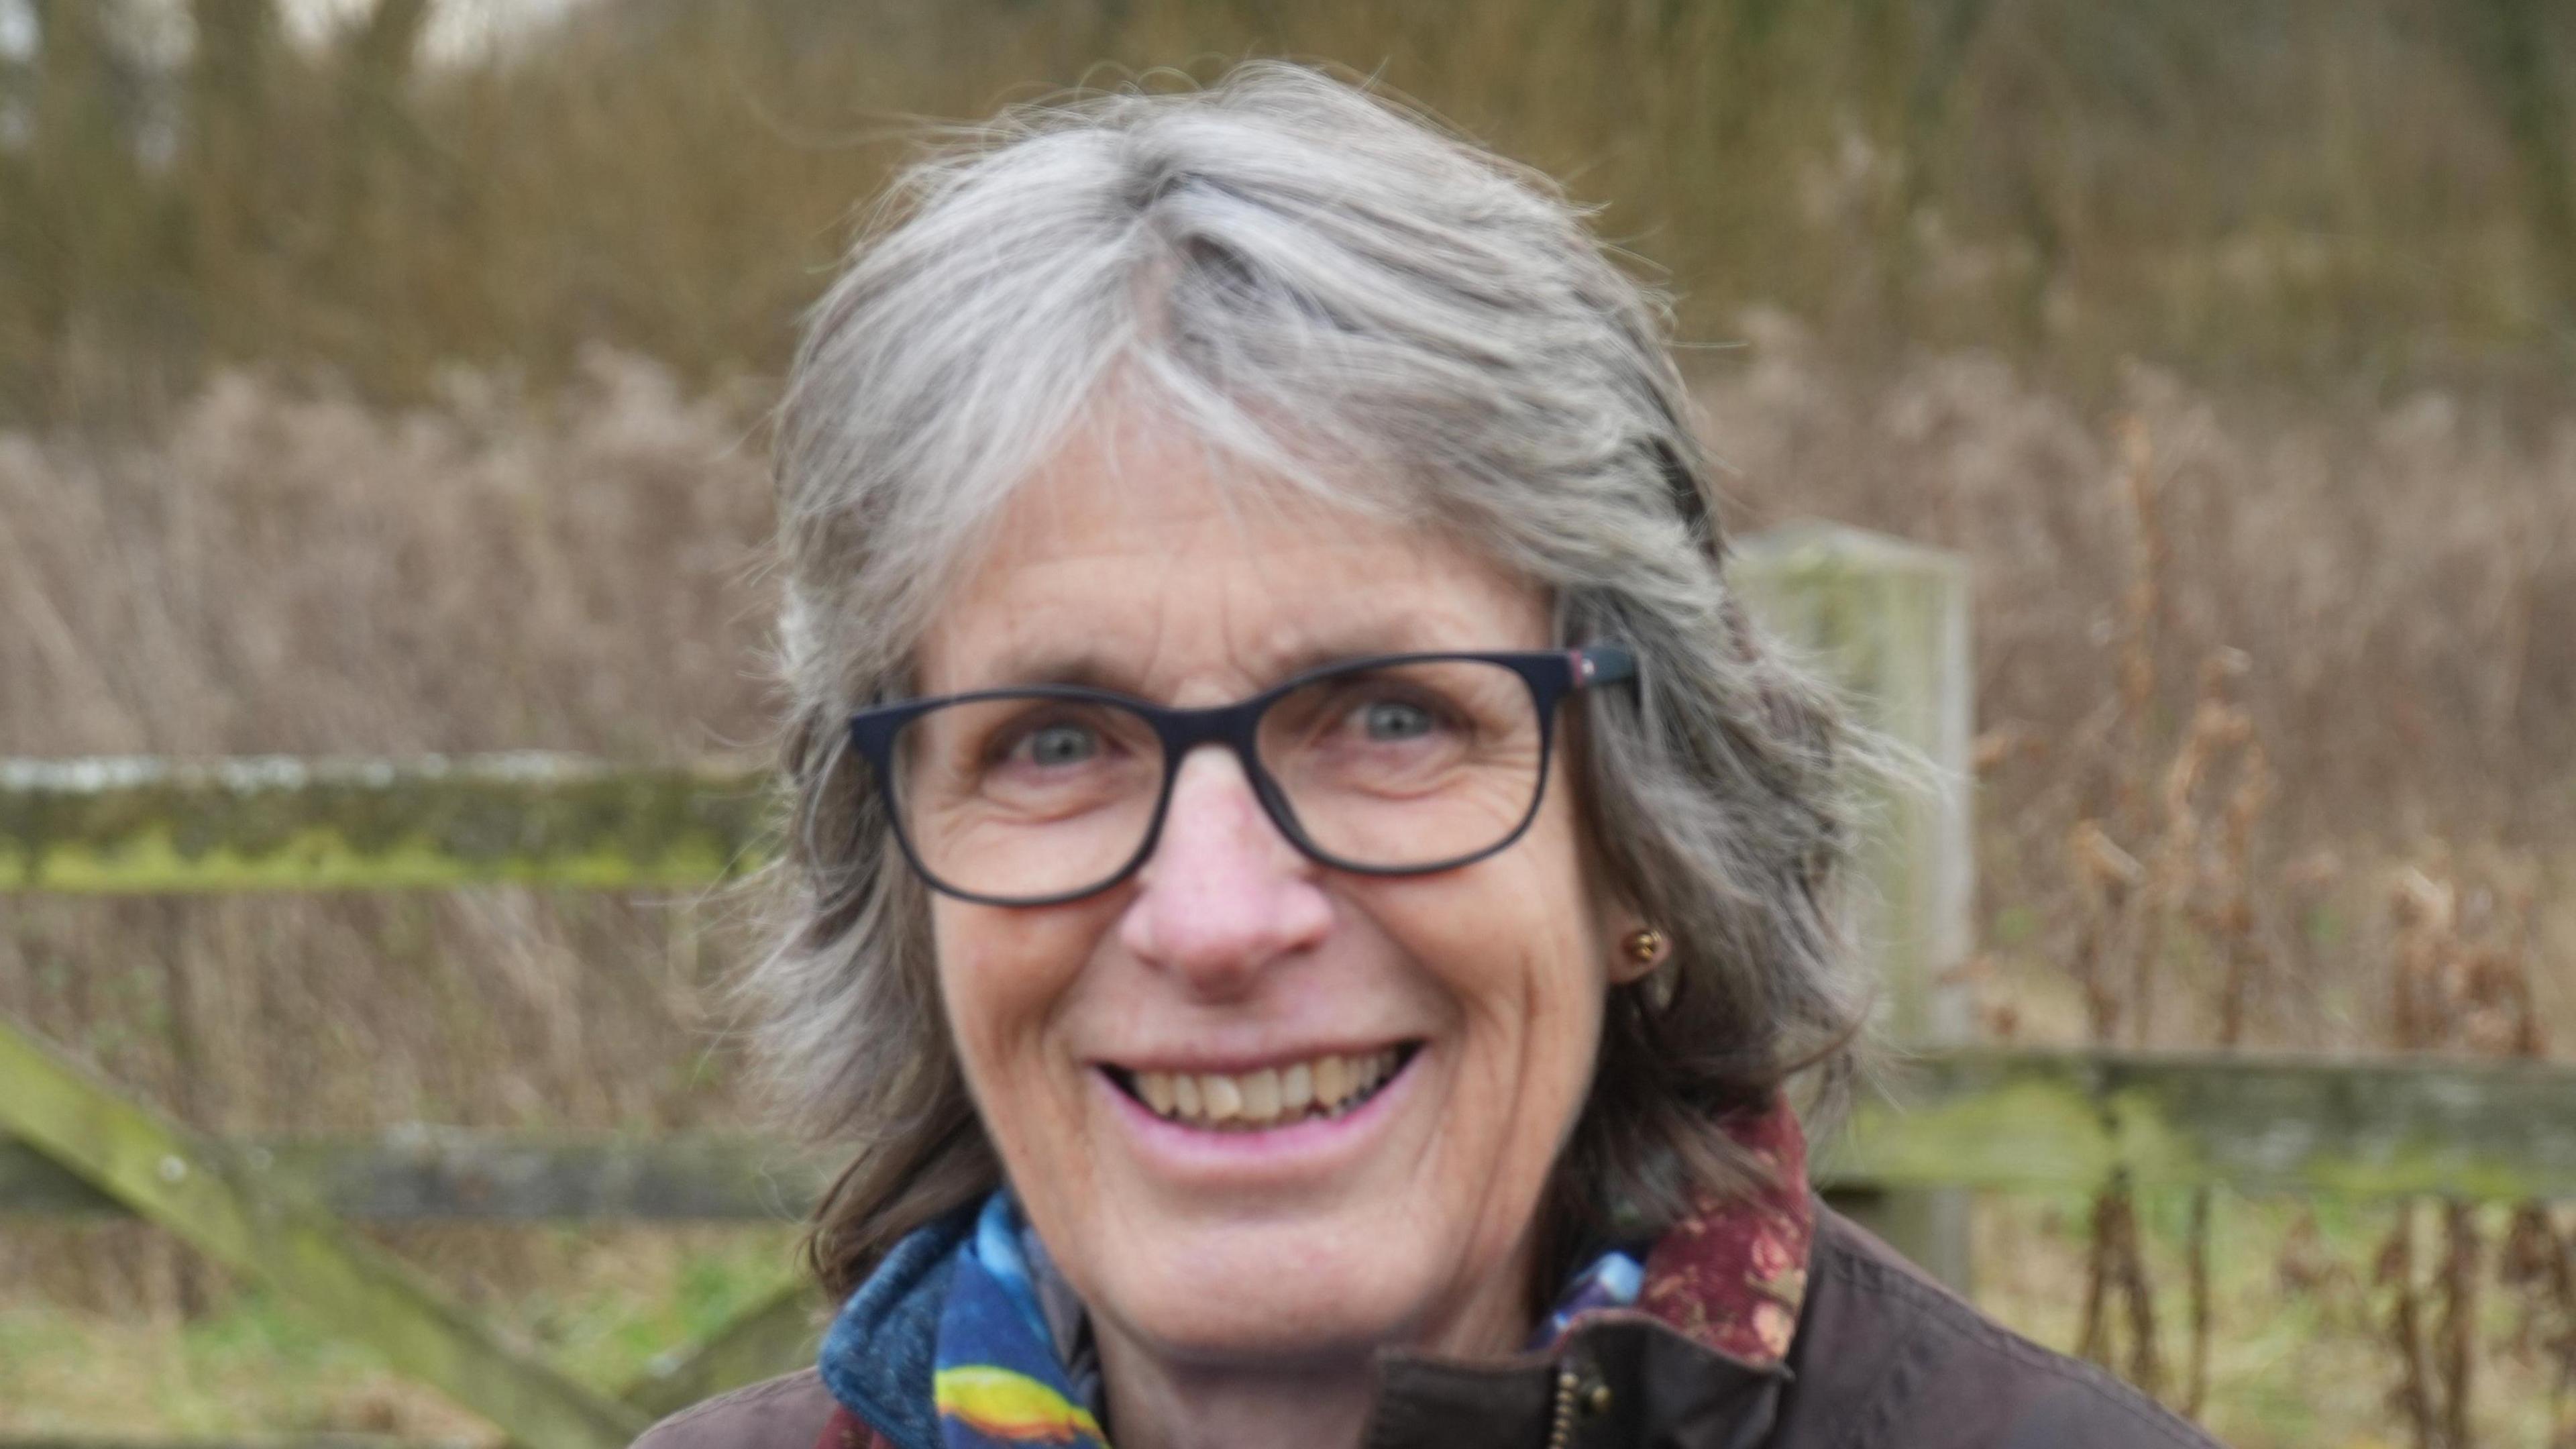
[[1887, 622]]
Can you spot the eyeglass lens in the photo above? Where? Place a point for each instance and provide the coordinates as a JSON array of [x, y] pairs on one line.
[[1388, 766]]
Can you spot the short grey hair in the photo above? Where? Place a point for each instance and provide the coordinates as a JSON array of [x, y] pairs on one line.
[[1307, 276]]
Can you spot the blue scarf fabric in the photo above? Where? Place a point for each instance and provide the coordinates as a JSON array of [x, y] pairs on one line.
[[1012, 1363]]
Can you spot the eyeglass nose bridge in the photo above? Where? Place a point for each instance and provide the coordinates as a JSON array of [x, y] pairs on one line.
[[1237, 727]]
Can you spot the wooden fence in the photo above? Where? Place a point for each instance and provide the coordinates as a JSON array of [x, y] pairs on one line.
[[1888, 620]]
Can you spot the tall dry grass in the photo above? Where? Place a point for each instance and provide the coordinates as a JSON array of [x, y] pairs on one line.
[[2394, 590]]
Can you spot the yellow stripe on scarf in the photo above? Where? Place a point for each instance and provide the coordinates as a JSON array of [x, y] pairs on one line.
[[1005, 1405]]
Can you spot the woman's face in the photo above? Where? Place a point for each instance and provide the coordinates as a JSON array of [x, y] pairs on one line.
[[1230, 957]]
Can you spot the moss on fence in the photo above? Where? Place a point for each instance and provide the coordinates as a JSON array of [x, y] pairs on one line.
[[144, 826]]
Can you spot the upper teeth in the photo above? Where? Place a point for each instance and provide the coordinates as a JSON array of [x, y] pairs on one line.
[[1322, 1086]]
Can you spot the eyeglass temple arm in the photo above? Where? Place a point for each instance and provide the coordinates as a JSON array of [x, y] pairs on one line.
[[1602, 664]]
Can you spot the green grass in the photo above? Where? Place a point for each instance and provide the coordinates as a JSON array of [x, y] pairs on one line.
[[604, 1305], [2296, 1355]]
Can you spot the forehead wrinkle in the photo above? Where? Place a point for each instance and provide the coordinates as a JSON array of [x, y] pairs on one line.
[[1135, 562], [1209, 638]]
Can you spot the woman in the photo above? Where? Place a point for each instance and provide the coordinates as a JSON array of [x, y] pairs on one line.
[[1307, 890]]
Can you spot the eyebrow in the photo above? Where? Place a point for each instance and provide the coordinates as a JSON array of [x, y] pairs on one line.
[[1086, 668], [1076, 667]]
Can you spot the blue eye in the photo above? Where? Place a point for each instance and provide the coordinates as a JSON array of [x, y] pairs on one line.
[[1061, 744], [1393, 719]]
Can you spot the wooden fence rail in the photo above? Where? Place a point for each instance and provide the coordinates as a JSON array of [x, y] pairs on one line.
[[141, 826], [2005, 1120]]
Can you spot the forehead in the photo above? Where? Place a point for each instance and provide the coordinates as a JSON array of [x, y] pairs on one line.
[[1139, 559]]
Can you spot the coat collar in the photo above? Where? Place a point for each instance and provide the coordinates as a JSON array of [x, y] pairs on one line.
[[1699, 1359], [1732, 1277]]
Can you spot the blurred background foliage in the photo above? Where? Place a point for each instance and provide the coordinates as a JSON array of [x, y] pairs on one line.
[[2325, 192], [387, 376]]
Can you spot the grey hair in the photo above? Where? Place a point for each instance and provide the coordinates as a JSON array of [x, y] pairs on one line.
[[1310, 278]]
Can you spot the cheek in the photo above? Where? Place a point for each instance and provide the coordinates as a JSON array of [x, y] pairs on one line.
[[1512, 943], [1555, 996], [1525, 978], [1548, 967], [1005, 978]]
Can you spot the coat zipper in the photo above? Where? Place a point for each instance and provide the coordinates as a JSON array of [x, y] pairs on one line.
[[1560, 1429]]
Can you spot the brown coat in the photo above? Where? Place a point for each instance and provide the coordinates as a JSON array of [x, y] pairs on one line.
[[1883, 1359]]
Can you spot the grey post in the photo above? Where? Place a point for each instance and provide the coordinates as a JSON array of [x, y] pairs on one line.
[[1887, 622]]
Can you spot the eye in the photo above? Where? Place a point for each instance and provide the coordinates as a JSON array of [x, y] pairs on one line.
[[1057, 745], [1394, 720]]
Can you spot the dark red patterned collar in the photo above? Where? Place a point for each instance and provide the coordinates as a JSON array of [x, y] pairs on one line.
[[1732, 1277]]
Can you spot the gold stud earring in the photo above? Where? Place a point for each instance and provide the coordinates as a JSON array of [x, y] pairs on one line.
[[1643, 944]]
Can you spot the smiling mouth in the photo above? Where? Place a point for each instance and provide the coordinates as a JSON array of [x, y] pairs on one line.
[[1257, 1101]]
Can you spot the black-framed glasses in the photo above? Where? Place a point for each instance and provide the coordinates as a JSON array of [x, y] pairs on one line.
[[1401, 764]]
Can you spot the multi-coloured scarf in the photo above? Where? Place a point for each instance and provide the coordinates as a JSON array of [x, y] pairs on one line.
[[1006, 1375], [1013, 1364]]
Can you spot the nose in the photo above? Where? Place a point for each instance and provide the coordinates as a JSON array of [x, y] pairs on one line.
[[1224, 893]]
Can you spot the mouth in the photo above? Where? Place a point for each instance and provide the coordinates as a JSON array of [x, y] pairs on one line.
[[1316, 1089]]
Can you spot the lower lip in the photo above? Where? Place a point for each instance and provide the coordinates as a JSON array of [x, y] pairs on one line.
[[1299, 1149]]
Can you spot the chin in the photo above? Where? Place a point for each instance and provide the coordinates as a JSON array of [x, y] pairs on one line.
[[1270, 1292]]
